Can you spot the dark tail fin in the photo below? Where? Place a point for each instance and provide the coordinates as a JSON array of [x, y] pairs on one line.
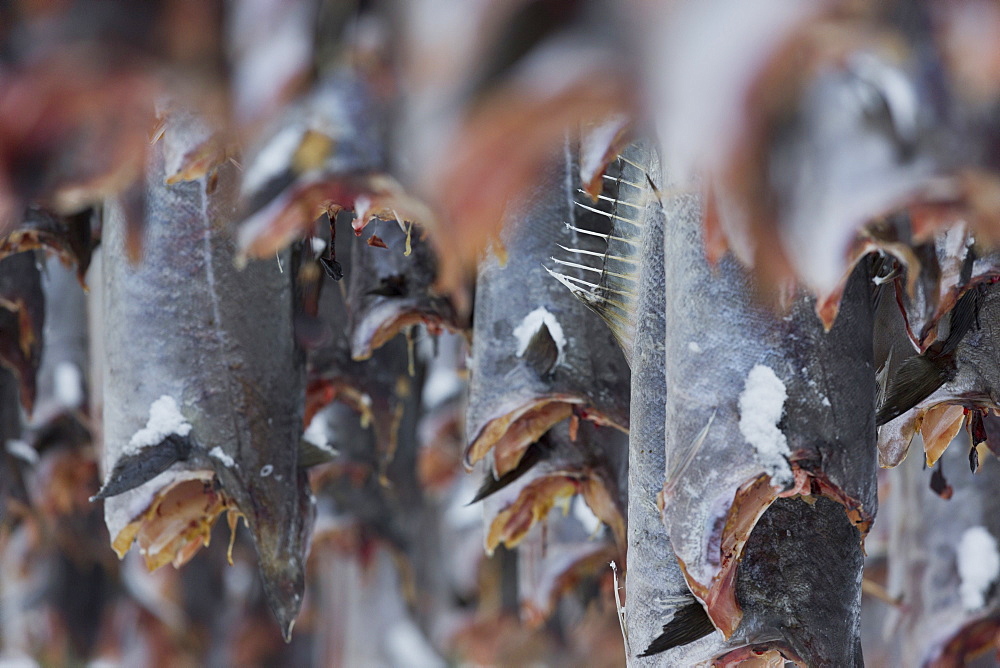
[[689, 624], [916, 379], [140, 467], [535, 453], [919, 376]]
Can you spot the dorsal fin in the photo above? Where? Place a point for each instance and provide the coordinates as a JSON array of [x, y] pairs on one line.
[[610, 277]]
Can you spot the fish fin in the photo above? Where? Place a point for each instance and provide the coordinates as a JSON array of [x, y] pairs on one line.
[[140, 467], [542, 352], [612, 293], [915, 380], [311, 454], [534, 454], [689, 623], [964, 315]]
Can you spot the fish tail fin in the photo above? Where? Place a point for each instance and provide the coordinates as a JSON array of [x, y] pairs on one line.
[[689, 623], [138, 468], [534, 454], [917, 378]]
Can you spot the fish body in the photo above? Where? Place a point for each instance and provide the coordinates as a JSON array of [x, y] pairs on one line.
[[538, 354], [186, 324], [391, 287], [761, 405], [942, 563], [661, 613]]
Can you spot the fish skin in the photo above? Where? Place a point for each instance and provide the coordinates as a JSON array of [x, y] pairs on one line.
[[919, 376], [284, 194], [591, 372], [186, 323], [65, 344], [932, 627], [13, 494], [661, 613], [827, 376], [371, 387], [70, 237]]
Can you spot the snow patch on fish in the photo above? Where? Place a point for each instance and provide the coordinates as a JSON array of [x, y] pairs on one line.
[[20, 449], [532, 323], [582, 512], [318, 435], [761, 404], [69, 385], [164, 419], [226, 460], [273, 159], [978, 566]]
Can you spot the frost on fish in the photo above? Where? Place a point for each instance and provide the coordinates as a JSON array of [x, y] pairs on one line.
[[712, 511], [762, 403], [978, 566], [529, 372], [532, 323]]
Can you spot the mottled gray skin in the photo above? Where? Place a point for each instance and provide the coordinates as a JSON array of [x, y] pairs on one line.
[[591, 370], [973, 377], [654, 585], [828, 419], [926, 532], [185, 322], [977, 378]]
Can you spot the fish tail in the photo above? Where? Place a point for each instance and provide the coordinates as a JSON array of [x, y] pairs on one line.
[[917, 378], [688, 624]]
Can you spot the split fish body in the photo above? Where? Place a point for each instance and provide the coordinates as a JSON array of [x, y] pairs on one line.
[[185, 323], [538, 354], [391, 287], [815, 444]]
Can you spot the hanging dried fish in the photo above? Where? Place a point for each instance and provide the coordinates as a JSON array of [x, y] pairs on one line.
[[538, 354], [202, 381], [391, 287], [944, 563], [770, 396], [22, 321]]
